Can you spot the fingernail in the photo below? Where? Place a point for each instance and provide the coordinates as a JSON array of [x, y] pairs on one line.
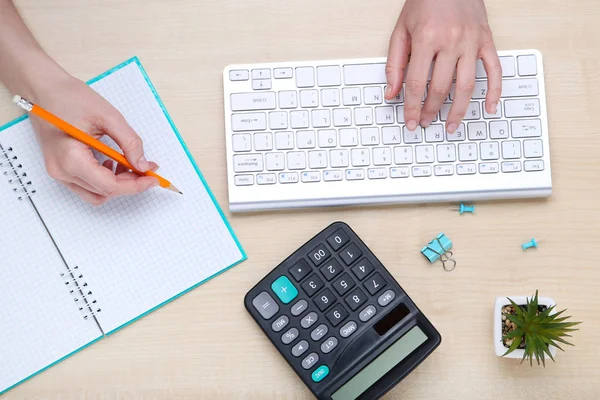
[[143, 164], [412, 125], [493, 108], [452, 127], [388, 90], [425, 123]]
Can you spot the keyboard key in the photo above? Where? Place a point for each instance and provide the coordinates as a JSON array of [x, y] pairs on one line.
[[520, 87], [458, 135], [386, 298], [421, 171], [278, 120], [362, 269], [242, 142], [466, 169], [331, 269], [350, 254], [526, 128], [317, 159], [511, 166], [415, 136], [467, 151], [305, 77], [511, 149], [489, 150], [253, 101], [360, 157], [280, 323], [265, 305], [296, 160], [444, 170], [275, 161], [522, 108], [305, 139], [339, 158], [527, 65], [299, 307], [309, 320], [338, 239], [373, 95], [343, 284], [324, 300], [300, 348], [342, 117], [283, 73], [261, 84], [327, 138], [473, 111], [507, 63], [288, 99], [239, 75], [336, 315], [497, 114], [377, 173], [400, 114], [248, 122], [375, 283], [364, 74], [261, 73], [446, 152], [356, 298], [309, 98], [425, 154], [532, 148], [363, 116], [390, 134], [355, 174], [477, 130], [382, 156], [348, 329], [299, 119], [266, 179], [288, 177], [319, 254], [247, 162], [333, 175], [499, 130], [244, 180], [330, 97], [329, 75], [434, 133], [290, 336], [263, 141], [351, 96], [321, 118], [319, 332], [284, 140], [320, 373], [403, 155], [300, 270], [537, 165], [310, 361], [348, 137], [369, 136], [399, 172], [367, 313], [312, 285], [284, 289], [488, 168], [328, 345]]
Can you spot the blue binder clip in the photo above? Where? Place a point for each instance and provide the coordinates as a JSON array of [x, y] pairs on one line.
[[439, 249]]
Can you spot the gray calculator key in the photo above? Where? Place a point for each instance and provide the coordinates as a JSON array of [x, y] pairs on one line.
[[310, 360], [386, 298], [318, 333], [367, 313], [280, 323], [300, 348], [329, 345], [289, 336], [299, 307], [309, 320], [348, 329], [265, 305]]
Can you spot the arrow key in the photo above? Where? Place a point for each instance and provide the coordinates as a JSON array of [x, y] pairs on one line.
[[300, 348]]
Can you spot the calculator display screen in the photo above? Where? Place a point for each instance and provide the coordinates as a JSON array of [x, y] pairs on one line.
[[381, 365]]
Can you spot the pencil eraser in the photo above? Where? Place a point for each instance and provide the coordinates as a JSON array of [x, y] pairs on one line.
[[16, 98]]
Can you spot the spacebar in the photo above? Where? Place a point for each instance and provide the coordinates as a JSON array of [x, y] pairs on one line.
[[364, 74]]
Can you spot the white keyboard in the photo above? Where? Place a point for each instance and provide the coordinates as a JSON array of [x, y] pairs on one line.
[[320, 133]]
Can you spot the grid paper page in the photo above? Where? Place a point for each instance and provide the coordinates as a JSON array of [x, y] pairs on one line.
[[40, 323], [137, 252]]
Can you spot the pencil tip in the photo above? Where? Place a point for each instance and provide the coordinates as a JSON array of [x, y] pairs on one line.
[[173, 189], [180, 192]]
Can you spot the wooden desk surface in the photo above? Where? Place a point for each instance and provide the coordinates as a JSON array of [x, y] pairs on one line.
[[204, 345]]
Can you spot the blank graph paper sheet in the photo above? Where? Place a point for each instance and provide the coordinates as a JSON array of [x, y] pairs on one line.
[[129, 256]]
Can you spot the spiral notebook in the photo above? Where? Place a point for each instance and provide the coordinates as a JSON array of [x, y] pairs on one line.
[[72, 273]]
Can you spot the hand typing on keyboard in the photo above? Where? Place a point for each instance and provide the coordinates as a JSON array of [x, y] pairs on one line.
[[453, 34]]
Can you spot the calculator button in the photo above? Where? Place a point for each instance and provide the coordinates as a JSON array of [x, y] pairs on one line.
[[320, 373], [319, 254], [300, 270], [312, 285], [362, 269], [338, 239], [318, 333], [265, 305], [309, 320], [299, 307], [344, 284], [350, 253], [280, 323], [289, 336], [300, 348], [331, 269], [367, 313], [356, 298], [284, 289], [386, 298], [329, 345], [310, 360], [375, 283], [337, 314], [348, 329], [324, 299]]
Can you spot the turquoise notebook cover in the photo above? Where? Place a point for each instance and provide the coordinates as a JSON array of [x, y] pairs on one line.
[[206, 186]]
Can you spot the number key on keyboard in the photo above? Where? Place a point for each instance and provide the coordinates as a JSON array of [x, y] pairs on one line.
[[336, 315], [312, 285], [324, 300], [350, 254], [356, 298], [375, 283]]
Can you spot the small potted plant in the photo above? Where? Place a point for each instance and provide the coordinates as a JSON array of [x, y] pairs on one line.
[[528, 328]]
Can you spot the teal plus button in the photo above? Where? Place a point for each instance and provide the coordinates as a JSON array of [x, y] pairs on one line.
[[284, 289], [320, 373]]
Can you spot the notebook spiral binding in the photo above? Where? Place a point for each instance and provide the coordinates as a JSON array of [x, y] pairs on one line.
[[81, 292], [13, 171]]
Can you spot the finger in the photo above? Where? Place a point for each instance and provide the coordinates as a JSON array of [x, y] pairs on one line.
[[109, 164], [111, 185], [493, 69], [128, 140], [416, 81], [122, 168], [441, 82], [397, 59], [465, 82], [86, 195]]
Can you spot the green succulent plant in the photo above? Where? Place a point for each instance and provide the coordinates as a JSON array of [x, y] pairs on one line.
[[539, 329]]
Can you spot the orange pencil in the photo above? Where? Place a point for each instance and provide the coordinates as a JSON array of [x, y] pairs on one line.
[[87, 139]]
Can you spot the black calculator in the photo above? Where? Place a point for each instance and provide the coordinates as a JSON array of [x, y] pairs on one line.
[[340, 319]]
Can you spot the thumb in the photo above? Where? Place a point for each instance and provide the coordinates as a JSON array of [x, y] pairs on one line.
[[397, 59], [128, 140]]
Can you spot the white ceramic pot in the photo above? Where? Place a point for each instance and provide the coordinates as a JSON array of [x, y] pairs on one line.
[[520, 300]]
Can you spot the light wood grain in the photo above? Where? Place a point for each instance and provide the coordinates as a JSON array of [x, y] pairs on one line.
[[204, 345]]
